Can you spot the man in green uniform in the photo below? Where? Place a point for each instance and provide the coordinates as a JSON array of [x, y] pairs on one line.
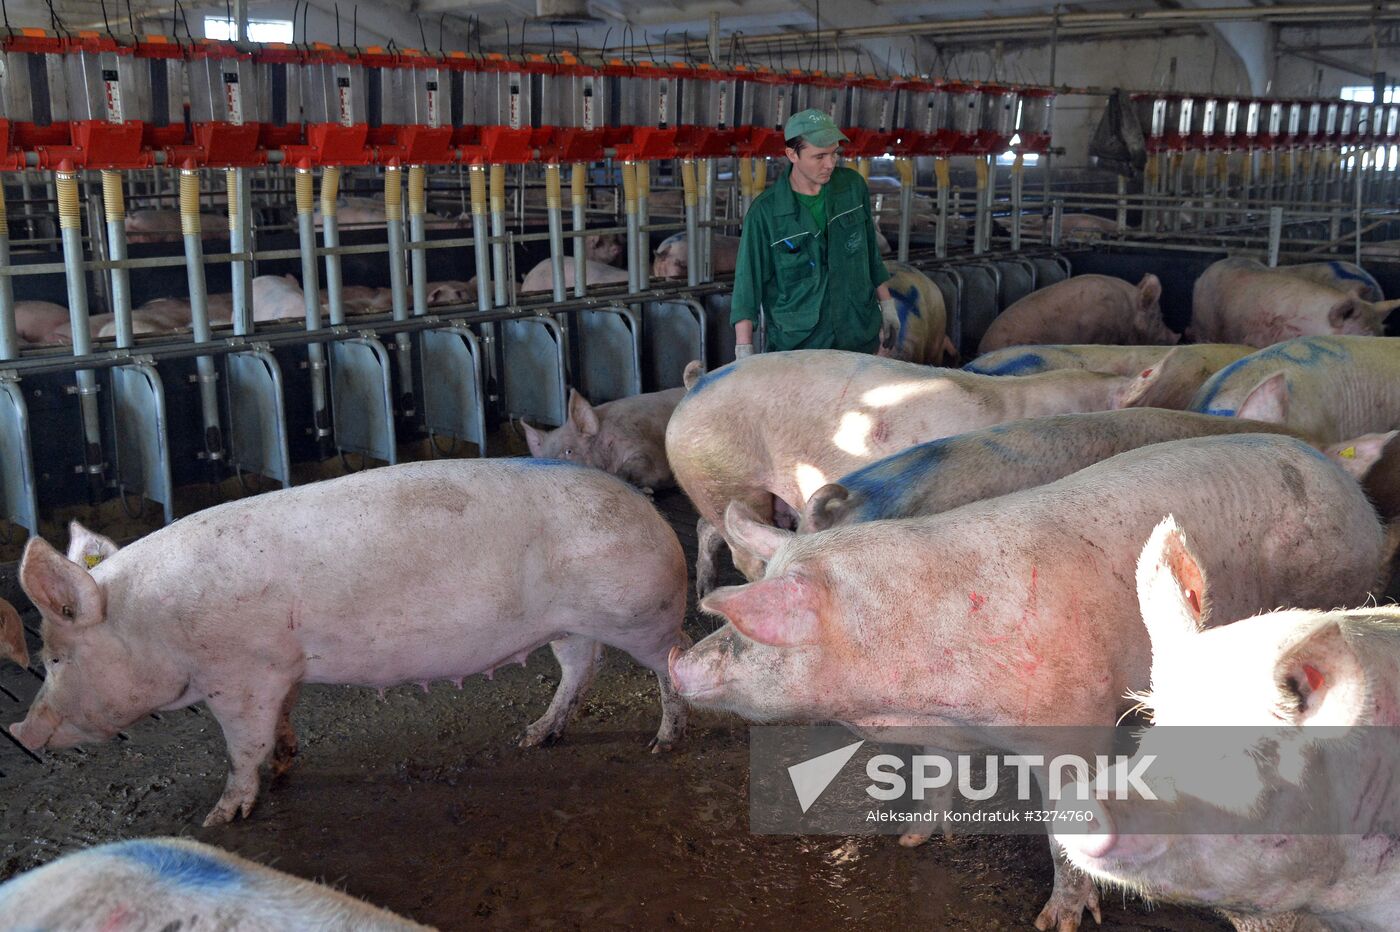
[[809, 256]]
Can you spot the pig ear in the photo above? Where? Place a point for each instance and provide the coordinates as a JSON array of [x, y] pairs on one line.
[[534, 439], [1268, 401], [585, 419], [12, 635], [693, 370], [1344, 310], [1145, 388], [827, 506], [1171, 586], [1149, 292], [86, 548], [1359, 455], [781, 612], [1320, 678], [62, 589], [744, 529], [1384, 309]]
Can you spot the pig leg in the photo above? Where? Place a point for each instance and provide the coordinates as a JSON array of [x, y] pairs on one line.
[[249, 719], [708, 541], [1287, 922], [940, 799], [578, 663], [286, 748], [1072, 894], [673, 707]]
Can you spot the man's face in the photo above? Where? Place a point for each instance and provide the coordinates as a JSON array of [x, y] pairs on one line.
[[813, 164]]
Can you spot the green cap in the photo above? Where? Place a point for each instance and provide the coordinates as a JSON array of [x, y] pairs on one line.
[[815, 126]]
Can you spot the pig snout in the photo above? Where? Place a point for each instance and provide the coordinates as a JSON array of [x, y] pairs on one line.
[[37, 729], [700, 673], [1093, 838]]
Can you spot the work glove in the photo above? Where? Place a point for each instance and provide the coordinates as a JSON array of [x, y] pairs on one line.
[[743, 350]]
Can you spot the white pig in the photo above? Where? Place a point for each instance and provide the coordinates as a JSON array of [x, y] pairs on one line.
[[1295, 685], [672, 261], [178, 883], [1119, 360], [361, 580], [37, 321], [626, 437], [12, 645], [1243, 301], [775, 427], [917, 331], [1084, 309], [942, 474], [1018, 611], [541, 277], [1329, 388], [163, 226], [1344, 276]]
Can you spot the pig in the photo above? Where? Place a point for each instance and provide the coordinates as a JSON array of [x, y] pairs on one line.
[[1295, 684], [452, 291], [352, 212], [541, 277], [12, 645], [1019, 610], [1243, 301], [278, 297], [1175, 381], [1072, 226], [358, 580], [918, 329], [359, 300], [672, 261], [626, 437], [142, 324], [1084, 309], [1344, 276], [37, 321], [1329, 388], [163, 226], [775, 427], [942, 474], [604, 248], [164, 883], [1119, 360]]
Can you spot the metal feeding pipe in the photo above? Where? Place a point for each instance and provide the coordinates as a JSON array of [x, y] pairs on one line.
[[114, 214], [643, 176], [500, 271], [941, 176], [398, 290], [578, 190], [70, 224], [206, 375], [905, 167], [9, 335], [554, 208], [239, 235], [629, 198], [311, 294], [418, 233], [692, 238], [330, 234]]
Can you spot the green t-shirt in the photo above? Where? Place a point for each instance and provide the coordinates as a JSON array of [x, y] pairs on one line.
[[816, 206]]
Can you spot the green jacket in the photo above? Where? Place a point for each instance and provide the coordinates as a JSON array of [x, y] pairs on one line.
[[817, 287]]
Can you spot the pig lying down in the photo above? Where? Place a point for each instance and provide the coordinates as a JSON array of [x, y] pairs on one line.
[[1019, 610], [1084, 309], [1243, 301], [778, 426], [626, 437], [1286, 671], [176, 883], [576, 559]]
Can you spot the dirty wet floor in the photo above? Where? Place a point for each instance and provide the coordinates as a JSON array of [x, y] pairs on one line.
[[423, 804]]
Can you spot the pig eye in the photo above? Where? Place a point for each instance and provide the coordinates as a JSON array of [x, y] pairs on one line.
[[67, 611]]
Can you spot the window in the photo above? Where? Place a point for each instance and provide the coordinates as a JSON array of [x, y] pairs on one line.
[[266, 30], [1009, 157], [1365, 93]]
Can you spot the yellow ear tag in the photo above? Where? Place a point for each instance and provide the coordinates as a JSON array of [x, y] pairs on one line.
[[1348, 454], [92, 559]]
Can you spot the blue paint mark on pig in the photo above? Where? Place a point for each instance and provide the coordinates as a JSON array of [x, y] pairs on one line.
[[178, 865], [1023, 364]]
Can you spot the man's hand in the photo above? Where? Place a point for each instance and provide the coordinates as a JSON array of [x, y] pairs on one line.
[[743, 350]]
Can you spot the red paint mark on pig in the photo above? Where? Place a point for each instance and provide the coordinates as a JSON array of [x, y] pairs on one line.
[[977, 601]]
